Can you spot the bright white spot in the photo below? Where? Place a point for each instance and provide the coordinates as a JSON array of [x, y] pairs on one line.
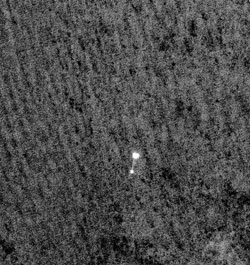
[[135, 155], [132, 171]]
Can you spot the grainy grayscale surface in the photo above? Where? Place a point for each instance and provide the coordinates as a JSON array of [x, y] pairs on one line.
[[83, 83]]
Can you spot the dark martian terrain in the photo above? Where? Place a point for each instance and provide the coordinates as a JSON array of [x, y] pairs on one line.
[[82, 85]]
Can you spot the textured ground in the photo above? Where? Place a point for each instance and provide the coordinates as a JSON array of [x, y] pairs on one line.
[[82, 84]]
